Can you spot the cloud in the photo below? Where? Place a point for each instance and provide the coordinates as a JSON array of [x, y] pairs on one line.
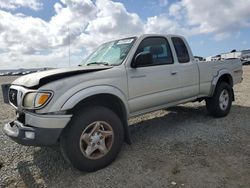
[[14, 4], [162, 24], [83, 22], [175, 10], [29, 41], [213, 16], [24, 34], [112, 21], [13, 60]]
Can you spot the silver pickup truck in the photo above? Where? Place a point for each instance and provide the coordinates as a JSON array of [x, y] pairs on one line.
[[86, 108]]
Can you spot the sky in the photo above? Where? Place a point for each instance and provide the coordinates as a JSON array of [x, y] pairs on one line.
[[37, 33]]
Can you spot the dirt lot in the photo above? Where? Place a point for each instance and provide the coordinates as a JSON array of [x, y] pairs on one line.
[[181, 145]]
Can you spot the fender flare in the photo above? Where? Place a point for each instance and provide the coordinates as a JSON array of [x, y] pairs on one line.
[[95, 90], [72, 101], [217, 77]]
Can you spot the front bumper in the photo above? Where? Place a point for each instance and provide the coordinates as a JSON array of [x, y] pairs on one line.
[[37, 130]]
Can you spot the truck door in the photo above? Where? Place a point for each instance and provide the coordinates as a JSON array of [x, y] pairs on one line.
[[157, 84], [189, 71]]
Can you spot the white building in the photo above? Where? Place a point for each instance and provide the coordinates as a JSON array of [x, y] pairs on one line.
[[213, 58], [231, 55], [243, 55]]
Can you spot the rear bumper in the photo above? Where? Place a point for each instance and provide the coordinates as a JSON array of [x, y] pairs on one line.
[[37, 130]]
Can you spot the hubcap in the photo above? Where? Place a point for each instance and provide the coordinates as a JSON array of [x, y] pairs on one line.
[[224, 99], [96, 140]]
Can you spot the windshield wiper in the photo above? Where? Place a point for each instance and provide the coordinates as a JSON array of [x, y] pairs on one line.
[[98, 63]]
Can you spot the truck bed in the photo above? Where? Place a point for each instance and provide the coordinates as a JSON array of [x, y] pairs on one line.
[[210, 69]]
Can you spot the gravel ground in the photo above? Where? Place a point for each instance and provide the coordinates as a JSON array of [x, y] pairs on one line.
[[177, 147]]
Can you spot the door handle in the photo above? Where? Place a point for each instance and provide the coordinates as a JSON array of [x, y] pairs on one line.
[[173, 72], [138, 76]]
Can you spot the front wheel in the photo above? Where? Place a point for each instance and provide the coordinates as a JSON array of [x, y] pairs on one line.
[[93, 139], [220, 103]]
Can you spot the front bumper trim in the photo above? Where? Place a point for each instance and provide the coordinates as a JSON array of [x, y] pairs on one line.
[[42, 136]]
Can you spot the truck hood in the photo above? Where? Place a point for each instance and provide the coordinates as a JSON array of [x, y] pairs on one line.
[[36, 80]]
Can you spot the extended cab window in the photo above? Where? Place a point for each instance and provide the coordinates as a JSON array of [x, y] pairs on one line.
[[159, 48], [181, 50]]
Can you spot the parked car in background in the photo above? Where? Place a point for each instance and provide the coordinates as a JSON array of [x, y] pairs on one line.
[[26, 72], [17, 73], [198, 58], [8, 73]]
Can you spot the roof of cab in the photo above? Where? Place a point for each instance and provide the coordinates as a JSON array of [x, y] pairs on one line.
[[160, 35]]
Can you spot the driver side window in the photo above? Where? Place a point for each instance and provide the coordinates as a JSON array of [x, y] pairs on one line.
[[159, 49]]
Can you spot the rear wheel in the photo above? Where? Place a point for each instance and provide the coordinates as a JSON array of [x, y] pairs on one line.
[[93, 139], [219, 104]]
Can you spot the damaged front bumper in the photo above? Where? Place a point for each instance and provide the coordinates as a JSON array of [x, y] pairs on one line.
[[36, 130]]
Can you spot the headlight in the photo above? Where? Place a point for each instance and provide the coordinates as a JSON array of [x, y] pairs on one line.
[[36, 99], [28, 101]]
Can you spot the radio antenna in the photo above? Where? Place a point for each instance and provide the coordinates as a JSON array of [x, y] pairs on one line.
[[69, 44]]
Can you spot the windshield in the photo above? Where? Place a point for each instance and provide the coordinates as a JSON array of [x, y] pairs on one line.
[[110, 53]]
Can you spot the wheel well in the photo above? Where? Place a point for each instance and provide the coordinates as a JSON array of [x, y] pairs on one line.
[[110, 101], [226, 78]]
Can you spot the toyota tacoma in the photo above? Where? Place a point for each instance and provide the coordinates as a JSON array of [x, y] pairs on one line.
[[86, 108]]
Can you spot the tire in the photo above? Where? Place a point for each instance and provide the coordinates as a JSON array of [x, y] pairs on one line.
[[79, 136], [213, 104]]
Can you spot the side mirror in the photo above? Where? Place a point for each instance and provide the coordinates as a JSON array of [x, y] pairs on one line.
[[142, 59]]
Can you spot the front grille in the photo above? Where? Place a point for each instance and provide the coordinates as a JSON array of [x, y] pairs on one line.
[[13, 96]]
